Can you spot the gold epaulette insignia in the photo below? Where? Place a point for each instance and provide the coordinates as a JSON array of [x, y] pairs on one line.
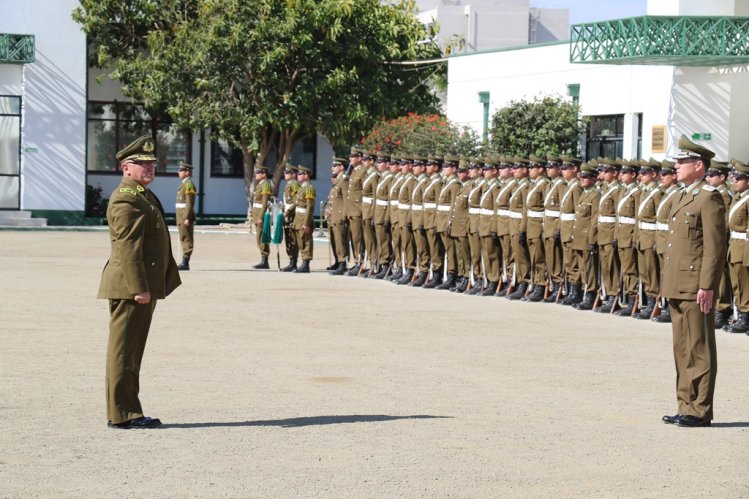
[[140, 188], [708, 188], [128, 189]]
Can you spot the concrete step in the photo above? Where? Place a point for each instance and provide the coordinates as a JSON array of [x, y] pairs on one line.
[[20, 219], [5, 214]]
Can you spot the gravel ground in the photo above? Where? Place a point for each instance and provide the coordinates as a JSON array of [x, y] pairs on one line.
[[283, 385]]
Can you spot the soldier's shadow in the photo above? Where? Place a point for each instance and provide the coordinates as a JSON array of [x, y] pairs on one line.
[[304, 421], [737, 424]]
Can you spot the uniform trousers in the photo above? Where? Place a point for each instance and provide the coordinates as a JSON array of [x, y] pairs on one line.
[[521, 256], [263, 247], [740, 283], [338, 240], [463, 255], [357, 238], [370, 240], [304, 243], [537, 261], [448, 243], [474, 242], [553, 258], [407, 249], [289, 236], [505, 256], [395, 235], [490, 255], [647, 265], [385, 252], [129, 323], [571, 264], [586, 262], [422, 249], [609, 259], [695, 357], [724, 290], [628, 262], [436, 251], [186, 238]]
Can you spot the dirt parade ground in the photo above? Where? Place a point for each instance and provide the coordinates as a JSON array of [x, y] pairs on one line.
[[275, 384]]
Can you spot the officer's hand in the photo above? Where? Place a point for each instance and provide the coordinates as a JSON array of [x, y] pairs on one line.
[[409, 228], [187, 221], [448, 231], [557, 235], [371, 222], [614, 244], [422, 230], [705, 300], [593, 248], [523, 238], [494, 236], [142, 298], [386, 225], [307, 229]]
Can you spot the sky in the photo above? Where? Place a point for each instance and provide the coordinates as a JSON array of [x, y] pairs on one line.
[[583, 11]]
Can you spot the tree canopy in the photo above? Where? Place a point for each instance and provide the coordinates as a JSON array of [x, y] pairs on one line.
[[547, 125], [265, 73]]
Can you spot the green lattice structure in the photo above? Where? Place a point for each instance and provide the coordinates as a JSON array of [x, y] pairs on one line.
[[16, 49], [662, 40]]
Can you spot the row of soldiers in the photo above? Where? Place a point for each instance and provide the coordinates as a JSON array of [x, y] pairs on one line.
[[590, 235]]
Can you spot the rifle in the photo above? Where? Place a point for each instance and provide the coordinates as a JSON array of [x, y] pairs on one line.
[[657, 307]]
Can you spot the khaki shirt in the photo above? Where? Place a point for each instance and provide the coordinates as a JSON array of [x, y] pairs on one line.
[[534, 207], [185, 206], [487, 220], [305, 206], [626, 211], [289, 199], [661, 220], [448, 190], [337, 200], [417, 204], [354, 192], [738, 225], [429, 200], [502, 206], [585, 225], [647, 211], [552, 198], [369, 186], [459, 217], [382, 198], [474, 200], [567, 205], [260, 200], [607, 213]]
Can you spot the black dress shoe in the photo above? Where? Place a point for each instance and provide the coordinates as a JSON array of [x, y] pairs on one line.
[[138, 423], [670, 419], [692, 422]]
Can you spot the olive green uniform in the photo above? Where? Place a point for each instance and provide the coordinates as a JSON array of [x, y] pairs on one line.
[[724, 288], [394, 217], [567, 205], [647, 261], [305, 211], [552, 243], [384, 250], [459, 222], [474, 214], [404, 221], [534, 213], [337, 218], [448, 190], [369, 186], [626, 211], [354, 212], [607, 252], [505, 256], [260, 198], [738, 249], [585, 237], [417, 222], [434, 241], [487, 231], [289, 210], [185, 210]]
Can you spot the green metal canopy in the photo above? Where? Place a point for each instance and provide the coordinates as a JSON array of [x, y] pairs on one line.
[[662, 40], [16, 49]]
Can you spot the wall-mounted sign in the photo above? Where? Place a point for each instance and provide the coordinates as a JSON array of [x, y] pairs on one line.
[[659, 139], [702, 136]]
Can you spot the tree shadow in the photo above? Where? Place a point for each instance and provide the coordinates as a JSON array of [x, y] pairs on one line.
[[303, 421]]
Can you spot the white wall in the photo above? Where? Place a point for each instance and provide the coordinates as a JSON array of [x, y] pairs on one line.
[[11, 79], [54, 96]]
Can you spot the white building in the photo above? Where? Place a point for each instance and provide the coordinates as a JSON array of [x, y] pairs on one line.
[[639, 103]]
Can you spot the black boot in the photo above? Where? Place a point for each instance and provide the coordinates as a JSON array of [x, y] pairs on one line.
[[665, 315], [477, 286], [263, 263], [339, 270], [537, 294], [588, 300], [448, 283], [397, 274], [627, 306], [606, 307], [490, 289], [381, 274], [354, 271], [553, 293], [740, 325], [519, 291], [420, 280], [722, 317], [575, 295], [184, 264], [646, 311], [405, 278], [332, 267], [435, 281], [461, 284], [303, 268], [291, 267]]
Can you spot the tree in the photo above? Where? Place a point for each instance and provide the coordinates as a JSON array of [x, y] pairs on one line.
[[263, 74], [422, 135], [549, 125]]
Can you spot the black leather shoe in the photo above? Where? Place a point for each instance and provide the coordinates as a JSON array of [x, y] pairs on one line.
[[137, 424], [670, 419], [692, 422]]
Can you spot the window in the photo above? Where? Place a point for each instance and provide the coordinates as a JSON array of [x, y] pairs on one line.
[[605, 136], [226, 161], [113, 125]]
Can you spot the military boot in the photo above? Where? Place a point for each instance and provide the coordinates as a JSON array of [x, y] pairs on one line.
[[553, 292], [461, 284], [354, 271], [339, 270], [740, 325], [575, 295], [519, 291], [606, 307], [291, 267], [303, 268], [435, 281], [397, 274], [382, 273], [332, 267], [477, 286], [490, 289], [722, 317], [647, 310], [627, 306], [184, 264], [263, 264], [537, 294], [448, 283], [665, 315], [420, 280], [588, 300], [405, 278]]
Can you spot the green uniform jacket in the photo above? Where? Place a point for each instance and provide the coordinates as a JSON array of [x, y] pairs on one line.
[[696, 251], [185, 207], [305, 206], [647, 214], [445, 200], [459, 216], [141, 250], [382, 198], [337, 200], [263, 191], [585, 228], [607, 213], [534, 207]]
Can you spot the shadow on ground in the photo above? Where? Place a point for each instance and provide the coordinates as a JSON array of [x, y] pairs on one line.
[[304, 421]]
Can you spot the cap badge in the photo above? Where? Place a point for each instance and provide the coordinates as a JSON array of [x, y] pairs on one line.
[[148, 145]]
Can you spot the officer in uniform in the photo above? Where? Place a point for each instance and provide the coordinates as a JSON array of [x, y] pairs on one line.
[[519, 228], [474, 240], [695, 257], [289, 210], [487, 230], [534, 211], [185, 213], [434, 241], [336, 215], [626, 211], [716, 176], [647, 259], [607, 250], [140, 271], [445, 200], [369, 186], [405, 195], [260, 198], [356, 174], [384, 255], [303, 219], [458, 229], [503, 245], [394, 216], [671, 190], [585, 234], [738, 249], [551, 231], [417, 220], [570, 198]]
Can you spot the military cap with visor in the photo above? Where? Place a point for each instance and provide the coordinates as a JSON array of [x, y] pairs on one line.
[[141, 149], [355, 151], [261, 169], [185, 167], [303, 170], [718, 168], [568, 161], [668, 167], [450, 160], [739, 169], [688, 149], [290, 169], [339, 160]]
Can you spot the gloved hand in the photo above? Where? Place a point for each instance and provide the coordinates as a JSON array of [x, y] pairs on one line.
[[371, 222], [448, 231], [422, 230], [557, 235], [593, 248], [494, 237], [523, 238], [409, 227], [386, 225], [614, 244]]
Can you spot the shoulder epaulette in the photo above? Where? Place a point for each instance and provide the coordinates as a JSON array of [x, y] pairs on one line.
[[129, 190], [190, 188], [708, 188], [310, 192], [265, 188]]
